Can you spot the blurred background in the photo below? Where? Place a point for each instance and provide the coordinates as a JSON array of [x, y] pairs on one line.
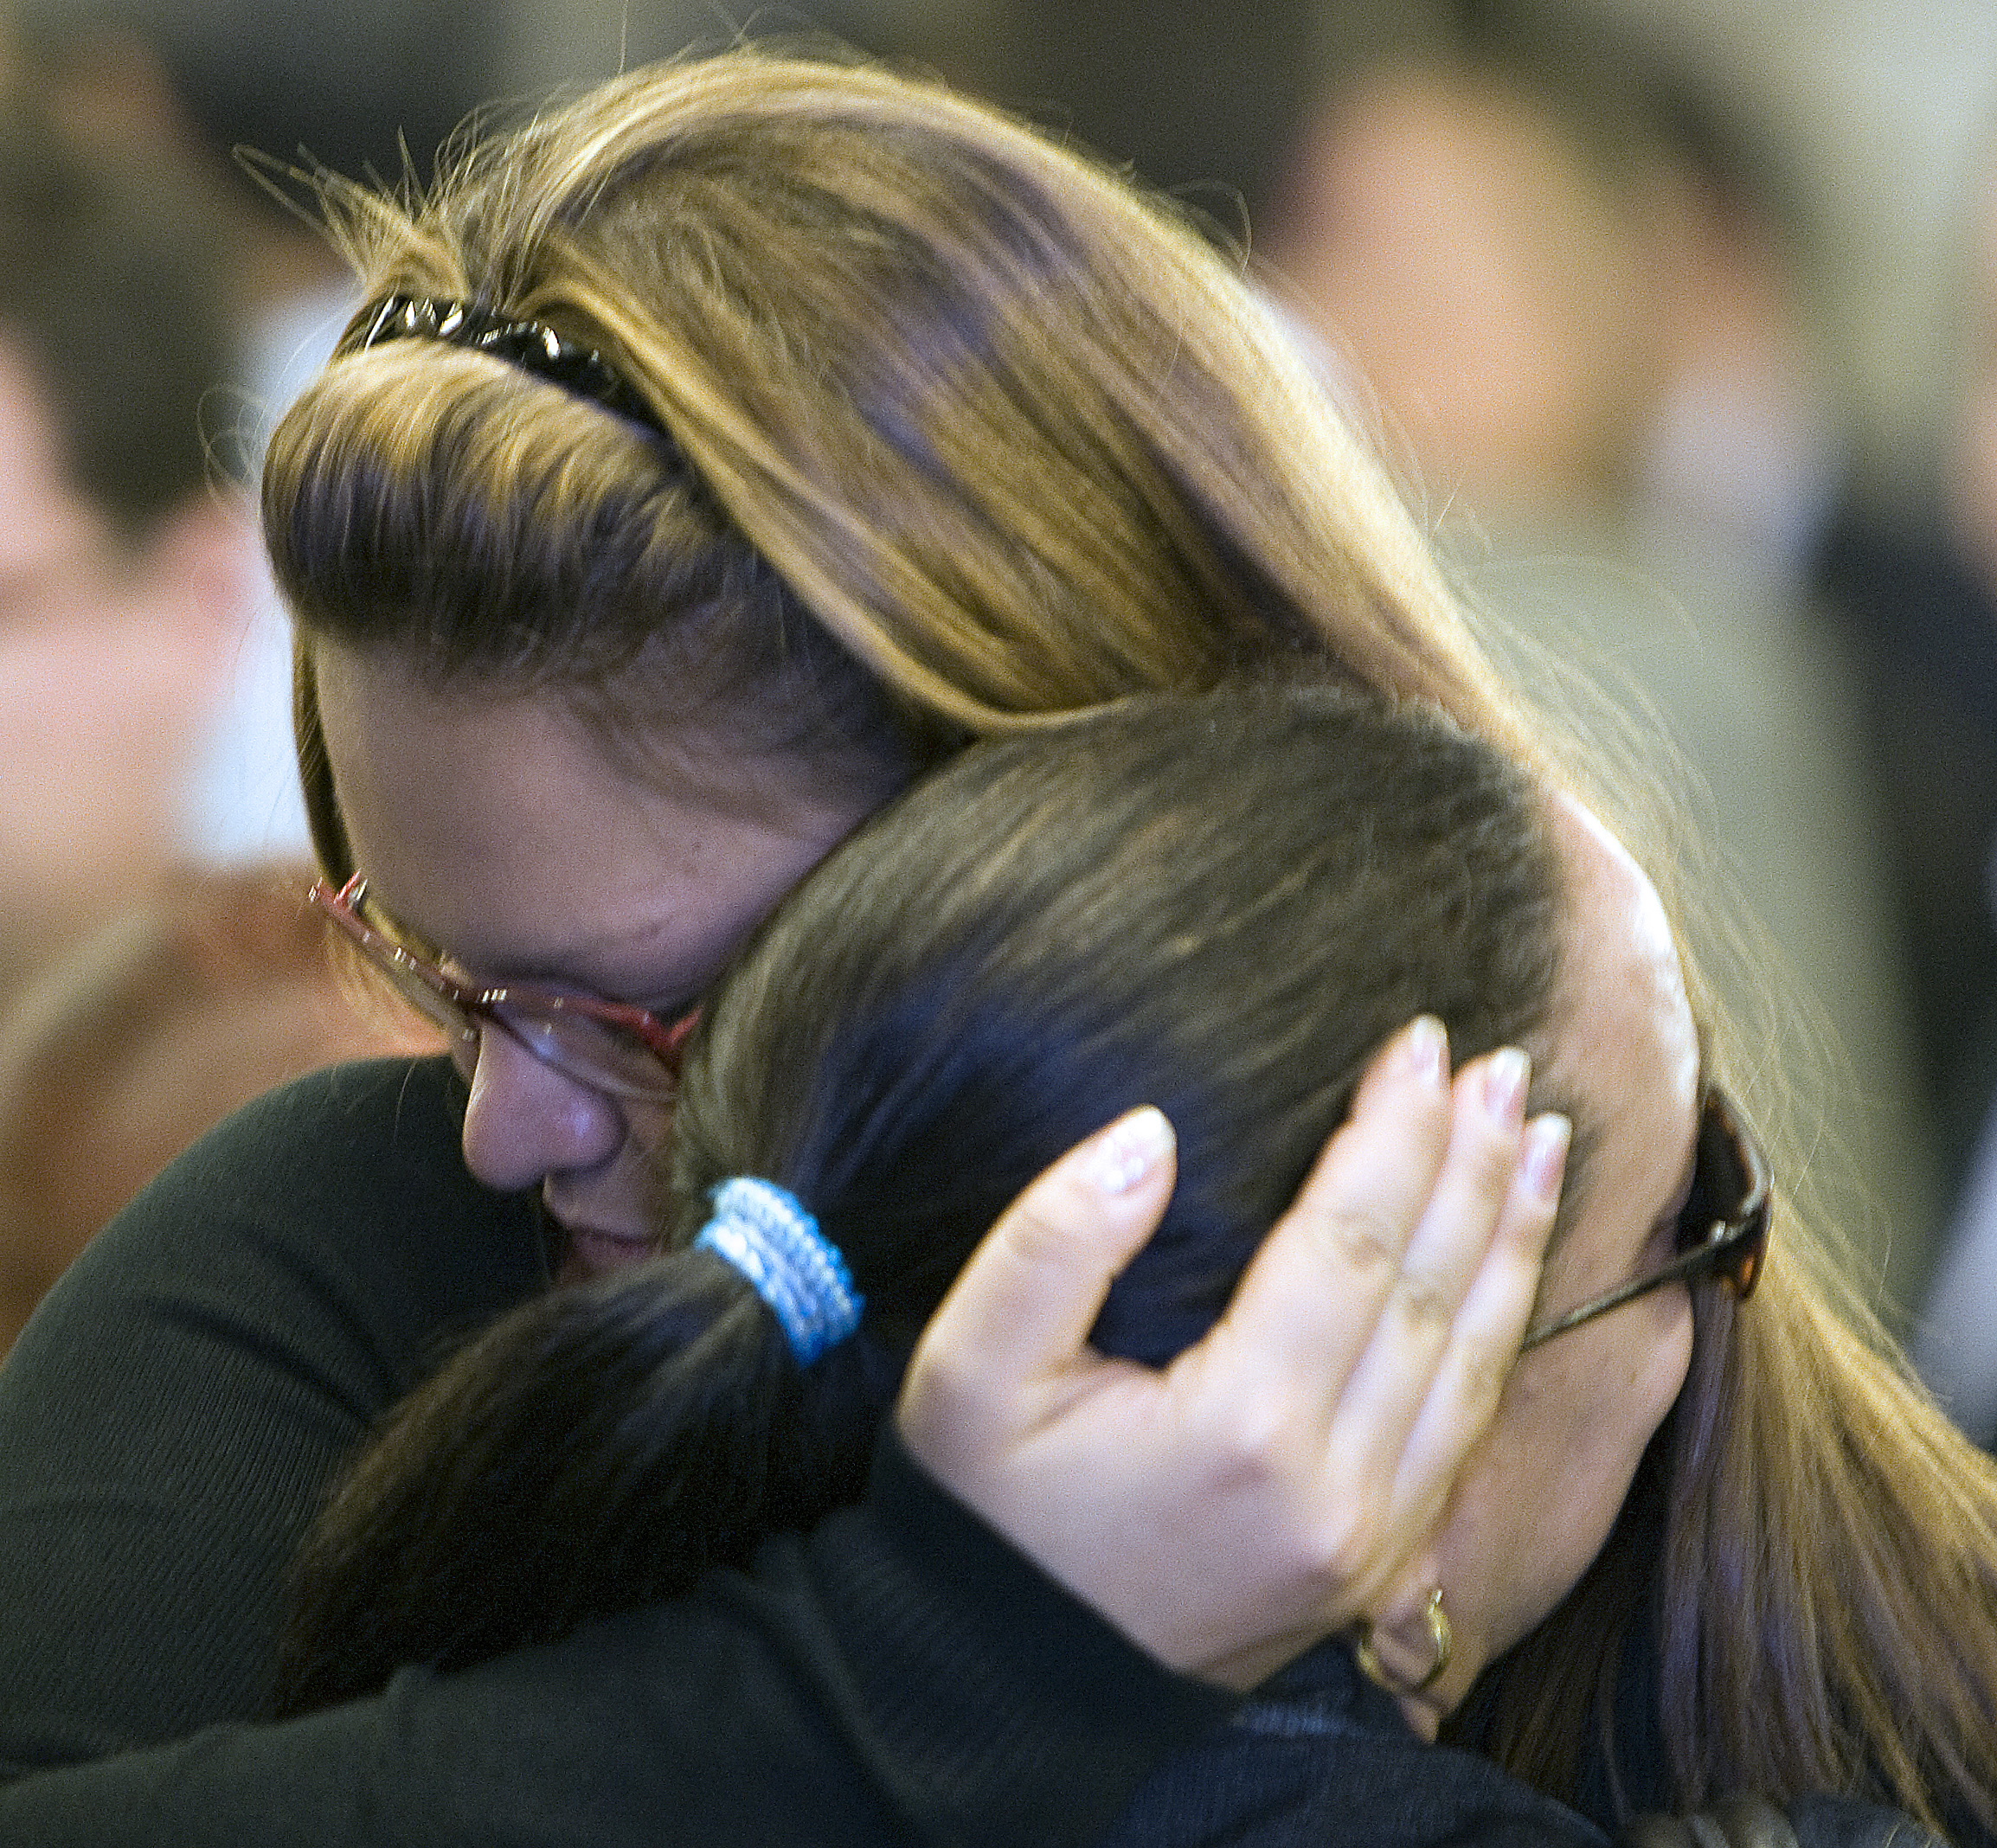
[[1880, 111], [1677, 319]]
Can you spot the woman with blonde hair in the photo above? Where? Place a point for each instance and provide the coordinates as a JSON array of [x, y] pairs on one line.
[[713, 458]]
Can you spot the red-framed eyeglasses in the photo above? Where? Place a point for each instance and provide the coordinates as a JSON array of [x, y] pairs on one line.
[[610, 1046], [1722, 1229]]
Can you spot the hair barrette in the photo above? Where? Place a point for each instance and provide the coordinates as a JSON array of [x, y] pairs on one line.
[[533, 346]]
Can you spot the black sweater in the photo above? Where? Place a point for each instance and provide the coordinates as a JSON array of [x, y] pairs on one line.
[[169, 1423]]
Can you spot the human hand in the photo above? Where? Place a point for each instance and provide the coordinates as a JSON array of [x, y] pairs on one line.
[[1232, 1508]]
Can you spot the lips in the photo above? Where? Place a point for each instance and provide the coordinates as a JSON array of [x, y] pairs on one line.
[[594, 1254]]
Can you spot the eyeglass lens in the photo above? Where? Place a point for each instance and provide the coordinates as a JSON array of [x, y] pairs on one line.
[[601, 1054], [1723, 1209], [604, 1055]]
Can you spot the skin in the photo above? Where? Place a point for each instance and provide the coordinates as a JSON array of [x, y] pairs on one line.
[[1510, 313], [1224, 1513], [1541, 1492], [53, 527], [112, 655]]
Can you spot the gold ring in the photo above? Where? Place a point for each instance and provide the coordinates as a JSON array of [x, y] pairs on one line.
[[1440, 1638]]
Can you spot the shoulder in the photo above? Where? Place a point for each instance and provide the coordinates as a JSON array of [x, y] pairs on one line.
[[342, 1193], [171, 1415]]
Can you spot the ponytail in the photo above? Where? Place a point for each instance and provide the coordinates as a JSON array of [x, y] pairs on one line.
[[600, 1448]]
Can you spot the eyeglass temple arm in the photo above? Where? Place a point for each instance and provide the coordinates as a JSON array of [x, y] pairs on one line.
[[1681, 1266]]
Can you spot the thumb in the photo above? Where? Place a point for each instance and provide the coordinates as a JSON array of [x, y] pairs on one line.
[[1019, 1313]]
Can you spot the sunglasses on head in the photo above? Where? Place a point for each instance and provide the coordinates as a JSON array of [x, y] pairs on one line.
[[1722, 1229]]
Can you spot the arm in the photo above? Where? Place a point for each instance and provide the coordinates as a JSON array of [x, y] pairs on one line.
[[899, 1676], [172, 1419]]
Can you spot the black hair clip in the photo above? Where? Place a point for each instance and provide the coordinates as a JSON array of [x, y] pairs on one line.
[[531, 345]]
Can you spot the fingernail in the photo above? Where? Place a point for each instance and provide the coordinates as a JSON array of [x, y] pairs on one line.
[[1545, 1157], [1129, 1150], [1428, 1049], [1505, 1079]]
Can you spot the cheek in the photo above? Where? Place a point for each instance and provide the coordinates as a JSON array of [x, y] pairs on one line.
[[1543, 1490], [647, 1126], [1671, 1355]]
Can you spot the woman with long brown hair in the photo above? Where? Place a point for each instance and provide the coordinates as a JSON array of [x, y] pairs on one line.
[[712, 457]]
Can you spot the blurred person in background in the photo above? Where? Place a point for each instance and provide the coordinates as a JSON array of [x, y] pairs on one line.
[[185, 84], [1563, 280], [125, 576], [1955, 1343], [176, 90], [148, 812], [155, 1028]]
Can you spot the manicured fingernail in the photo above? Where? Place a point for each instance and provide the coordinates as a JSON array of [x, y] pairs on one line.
[[1428, 1049], [1545, 1157], [1505, 1081], [1128, 1150]]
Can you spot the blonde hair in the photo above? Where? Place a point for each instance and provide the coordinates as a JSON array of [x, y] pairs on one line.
[[965, 434], [1014, 435]]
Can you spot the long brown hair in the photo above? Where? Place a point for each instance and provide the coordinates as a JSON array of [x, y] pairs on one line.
[[1814, 1545]]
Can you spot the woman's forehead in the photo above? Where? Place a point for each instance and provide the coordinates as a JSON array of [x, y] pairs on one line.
[[497, 829]]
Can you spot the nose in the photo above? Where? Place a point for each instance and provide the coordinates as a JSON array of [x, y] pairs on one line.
[[525, 1120]]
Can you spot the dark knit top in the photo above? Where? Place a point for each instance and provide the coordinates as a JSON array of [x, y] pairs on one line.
[[169, 1423]]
